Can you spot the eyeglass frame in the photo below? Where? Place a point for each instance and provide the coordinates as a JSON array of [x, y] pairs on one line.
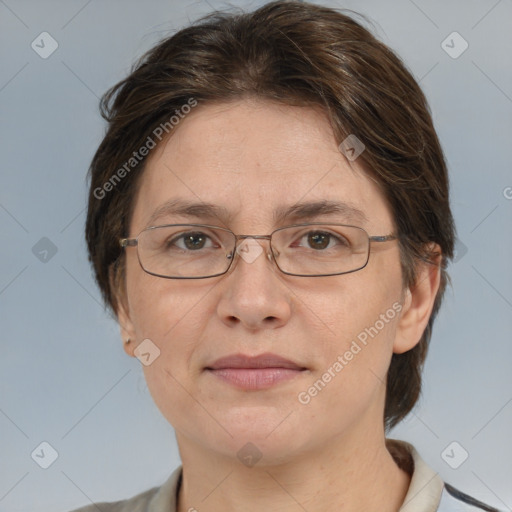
[[134, 242]]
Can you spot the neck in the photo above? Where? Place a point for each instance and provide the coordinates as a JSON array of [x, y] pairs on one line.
[[337, 477]]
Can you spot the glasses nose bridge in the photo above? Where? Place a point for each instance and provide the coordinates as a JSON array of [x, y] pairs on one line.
[[262, 237], [257, 237], [269, 252]]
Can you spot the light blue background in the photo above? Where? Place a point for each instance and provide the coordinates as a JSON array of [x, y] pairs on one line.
[[64, 376]]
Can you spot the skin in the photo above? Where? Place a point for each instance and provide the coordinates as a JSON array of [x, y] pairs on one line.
[[252, 156]]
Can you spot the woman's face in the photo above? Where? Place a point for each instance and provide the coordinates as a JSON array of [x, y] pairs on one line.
[[252, 158]]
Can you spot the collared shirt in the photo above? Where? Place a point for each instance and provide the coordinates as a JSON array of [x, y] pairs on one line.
[[426, 493]]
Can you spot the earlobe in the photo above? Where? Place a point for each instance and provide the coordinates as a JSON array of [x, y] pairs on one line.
[[418, 304]]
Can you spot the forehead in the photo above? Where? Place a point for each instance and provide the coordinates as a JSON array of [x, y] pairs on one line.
[[254, 159]]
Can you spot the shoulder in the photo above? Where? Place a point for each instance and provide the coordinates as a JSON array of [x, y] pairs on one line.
[[137, 503], [157, 499], [427, 492]]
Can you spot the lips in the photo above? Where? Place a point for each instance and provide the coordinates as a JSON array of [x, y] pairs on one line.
[[254, 373], [253, 362]]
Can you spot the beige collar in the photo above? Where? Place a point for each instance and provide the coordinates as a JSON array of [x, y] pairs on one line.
[[426, 486]]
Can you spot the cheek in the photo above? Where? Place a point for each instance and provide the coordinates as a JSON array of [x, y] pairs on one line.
[[172, 316], [342, 307], [351, 377], [166, 309], [352, 325], [360, 338]]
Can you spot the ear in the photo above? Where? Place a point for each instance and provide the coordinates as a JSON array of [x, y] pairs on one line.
[[126, 327], [123, 312], [418, 303]]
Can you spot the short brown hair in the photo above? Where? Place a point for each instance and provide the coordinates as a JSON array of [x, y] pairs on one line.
[[294, 53]]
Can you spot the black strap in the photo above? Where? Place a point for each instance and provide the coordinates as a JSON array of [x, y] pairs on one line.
[[468, 499]]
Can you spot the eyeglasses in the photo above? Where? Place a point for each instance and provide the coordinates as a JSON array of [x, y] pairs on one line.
[[198, 251]]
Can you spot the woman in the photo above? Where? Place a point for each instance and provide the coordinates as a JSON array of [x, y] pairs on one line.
[[269, 220]]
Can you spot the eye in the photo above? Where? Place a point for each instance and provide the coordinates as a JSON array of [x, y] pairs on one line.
[[191, 241], [320, 240]]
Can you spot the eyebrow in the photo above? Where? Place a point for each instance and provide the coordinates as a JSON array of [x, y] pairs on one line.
[[302, 211]]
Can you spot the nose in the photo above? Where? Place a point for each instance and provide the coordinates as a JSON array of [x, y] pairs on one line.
[[253, 292]]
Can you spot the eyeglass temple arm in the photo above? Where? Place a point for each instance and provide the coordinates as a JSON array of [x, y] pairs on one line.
[[383, 238], [128, 242]]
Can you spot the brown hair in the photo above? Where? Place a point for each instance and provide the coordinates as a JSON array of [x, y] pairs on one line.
[[295, 53]]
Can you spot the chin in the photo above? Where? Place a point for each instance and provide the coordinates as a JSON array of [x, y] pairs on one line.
[[268, 432], [251, 450]]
